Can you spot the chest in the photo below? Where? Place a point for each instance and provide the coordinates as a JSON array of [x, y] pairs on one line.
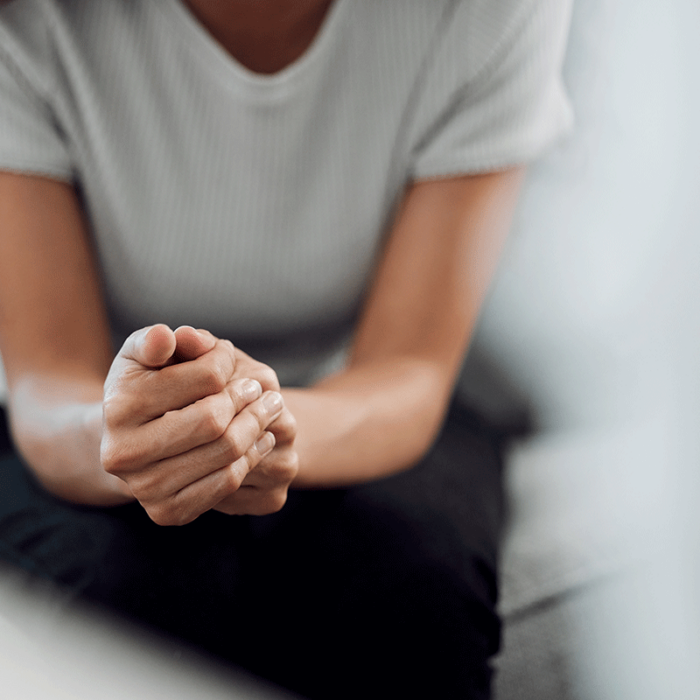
[[249, 205], [264, 37]]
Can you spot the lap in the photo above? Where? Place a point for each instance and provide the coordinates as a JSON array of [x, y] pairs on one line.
[[392, 580]]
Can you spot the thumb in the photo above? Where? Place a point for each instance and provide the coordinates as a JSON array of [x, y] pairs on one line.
[[191, 343], [151, 347]]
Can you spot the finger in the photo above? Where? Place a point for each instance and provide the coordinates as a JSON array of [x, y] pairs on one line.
[[175, 473], [191, 343], [133, 400], [200, 423], [179, 385], [250, 500], [150, 347], [279, 466], [246, 366], [264, 489], [194, 499], [284, 427]]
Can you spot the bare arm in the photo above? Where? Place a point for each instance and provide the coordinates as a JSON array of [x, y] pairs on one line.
[[382, 412], [375, 418], [164, 421], [54, 338]]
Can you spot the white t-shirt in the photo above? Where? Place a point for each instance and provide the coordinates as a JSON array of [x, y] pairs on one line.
[[256, 205]]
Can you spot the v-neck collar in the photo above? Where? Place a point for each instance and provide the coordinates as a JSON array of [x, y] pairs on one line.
[[220, 60]]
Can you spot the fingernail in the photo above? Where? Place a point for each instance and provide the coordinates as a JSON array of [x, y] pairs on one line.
[[272, 402], [251, 390], [265, 443]]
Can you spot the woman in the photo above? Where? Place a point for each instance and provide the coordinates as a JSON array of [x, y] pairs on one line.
[[327, 186]]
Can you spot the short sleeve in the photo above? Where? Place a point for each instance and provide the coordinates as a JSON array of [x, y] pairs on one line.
[[31, 140], [493, 95]]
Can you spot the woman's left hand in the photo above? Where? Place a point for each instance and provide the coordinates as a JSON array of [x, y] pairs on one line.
[[264, 489]]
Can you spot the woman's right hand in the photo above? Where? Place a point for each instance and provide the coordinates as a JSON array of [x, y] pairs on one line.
[[183, 435]]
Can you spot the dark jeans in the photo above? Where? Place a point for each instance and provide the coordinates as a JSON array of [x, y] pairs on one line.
[[383, 590]]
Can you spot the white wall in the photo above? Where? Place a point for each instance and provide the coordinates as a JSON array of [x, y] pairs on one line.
[[576, 316], [596, 317]]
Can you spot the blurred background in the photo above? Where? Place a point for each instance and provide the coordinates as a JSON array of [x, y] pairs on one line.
[[594, 321], [593, 327]]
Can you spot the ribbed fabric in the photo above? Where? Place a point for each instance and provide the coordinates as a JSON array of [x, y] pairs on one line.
[[255, 206]]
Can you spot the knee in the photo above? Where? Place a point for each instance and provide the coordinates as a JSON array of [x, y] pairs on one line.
[[80, 550]]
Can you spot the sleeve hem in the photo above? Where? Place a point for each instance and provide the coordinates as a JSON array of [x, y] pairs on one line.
[[471, 163], [21, 166]]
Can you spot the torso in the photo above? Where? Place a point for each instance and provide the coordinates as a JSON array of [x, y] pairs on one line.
[[254, 205], [265, 36]]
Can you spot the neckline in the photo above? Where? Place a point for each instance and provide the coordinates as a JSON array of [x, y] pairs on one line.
[[215, 54]]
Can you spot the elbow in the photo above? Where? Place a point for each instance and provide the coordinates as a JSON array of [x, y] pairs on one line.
[[418, 429]]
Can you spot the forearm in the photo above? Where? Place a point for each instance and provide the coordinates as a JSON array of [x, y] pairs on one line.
[[367, 422], [57, 427], [384, 411]]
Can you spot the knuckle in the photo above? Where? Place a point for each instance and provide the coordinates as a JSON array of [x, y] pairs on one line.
[[185, 519], [212, 421], [293, 464], [271, 501], [284, 470], [285, 427], [114, 458], [232, 445], [267, 377], [280, 470], [276, 470], [144, 486], [115, 409], [161, 515], [214, 378], [227, 354], [167, 514], [279, 500], [234, 477], [228, 346]]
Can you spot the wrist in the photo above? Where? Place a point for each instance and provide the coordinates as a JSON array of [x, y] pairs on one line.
[[367, 422], [60, 443], [90, 487]]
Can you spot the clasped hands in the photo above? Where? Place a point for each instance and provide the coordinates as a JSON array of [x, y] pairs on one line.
[[191, 424]]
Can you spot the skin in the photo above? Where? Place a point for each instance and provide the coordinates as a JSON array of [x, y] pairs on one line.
[[184, 433], [263, 35], [185, 422], [152, 424]]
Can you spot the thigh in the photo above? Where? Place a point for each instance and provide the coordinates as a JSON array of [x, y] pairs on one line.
[[177, 580], [380, 590], [389, 588]]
